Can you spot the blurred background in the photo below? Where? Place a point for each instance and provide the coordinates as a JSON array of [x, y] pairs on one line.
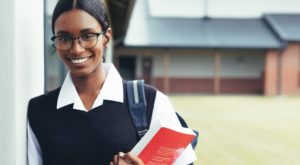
[[217, 60], [210, 46], [230, 67]]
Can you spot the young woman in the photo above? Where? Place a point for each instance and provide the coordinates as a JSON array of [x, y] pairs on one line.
[[87, 121]]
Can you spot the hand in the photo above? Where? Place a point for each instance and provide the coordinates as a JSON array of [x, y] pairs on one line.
[[126, 159]]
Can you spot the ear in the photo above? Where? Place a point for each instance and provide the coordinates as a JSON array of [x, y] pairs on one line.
[[107, 37]]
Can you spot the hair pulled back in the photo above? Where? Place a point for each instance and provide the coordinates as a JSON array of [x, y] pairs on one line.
[[95, 8]]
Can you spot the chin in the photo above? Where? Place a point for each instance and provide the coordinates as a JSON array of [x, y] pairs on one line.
[[81, 73]]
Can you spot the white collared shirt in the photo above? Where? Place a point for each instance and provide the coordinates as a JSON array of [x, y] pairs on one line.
[[112, 90]]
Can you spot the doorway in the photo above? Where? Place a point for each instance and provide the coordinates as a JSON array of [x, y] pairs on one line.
[[147, 69], [127, 67]]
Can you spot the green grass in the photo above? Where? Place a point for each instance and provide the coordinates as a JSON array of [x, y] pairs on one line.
[[243, 130]]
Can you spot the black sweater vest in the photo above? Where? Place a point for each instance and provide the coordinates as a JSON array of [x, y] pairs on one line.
[[72, 137]]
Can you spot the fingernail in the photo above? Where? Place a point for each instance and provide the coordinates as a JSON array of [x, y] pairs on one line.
[[121, 154]]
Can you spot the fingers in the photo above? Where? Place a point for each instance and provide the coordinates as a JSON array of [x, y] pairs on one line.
[[120, 159], [126, 159], [122, 155], [134, 159], [116, 159], [123, 159]]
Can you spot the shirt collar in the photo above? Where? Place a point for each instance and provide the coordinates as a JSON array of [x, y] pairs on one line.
[[112, 90]]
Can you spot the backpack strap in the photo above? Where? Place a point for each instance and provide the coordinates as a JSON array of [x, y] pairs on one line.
[[184, 124], [137, 105]]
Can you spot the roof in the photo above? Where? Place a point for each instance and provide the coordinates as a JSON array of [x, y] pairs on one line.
[[147, 31], [119, 12], [286, 26]]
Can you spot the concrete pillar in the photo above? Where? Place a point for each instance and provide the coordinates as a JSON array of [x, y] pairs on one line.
[[21, 72], [166, 78], [217, 70], [299, 68]]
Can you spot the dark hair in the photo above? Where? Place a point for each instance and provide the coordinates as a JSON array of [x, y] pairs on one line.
[[95, 8]]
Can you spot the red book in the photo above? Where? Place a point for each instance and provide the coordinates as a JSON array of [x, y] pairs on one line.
[[163, 144]]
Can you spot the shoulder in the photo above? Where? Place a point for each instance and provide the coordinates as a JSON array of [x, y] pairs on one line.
[[150, 89], [44, 99], [150, 94]]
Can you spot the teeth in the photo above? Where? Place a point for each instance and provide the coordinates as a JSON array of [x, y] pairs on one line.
[[79, 61]]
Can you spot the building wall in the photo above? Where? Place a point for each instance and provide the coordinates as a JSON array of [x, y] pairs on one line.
[[298, 45], [289, 69], [242, 63], [7, 113], [271, 73], [241, 71], [189, 66], [188, 73]]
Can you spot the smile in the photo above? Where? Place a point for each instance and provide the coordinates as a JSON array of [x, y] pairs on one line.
[[79, 60]]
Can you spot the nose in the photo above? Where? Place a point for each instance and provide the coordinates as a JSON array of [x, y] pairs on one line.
[[76, 47]]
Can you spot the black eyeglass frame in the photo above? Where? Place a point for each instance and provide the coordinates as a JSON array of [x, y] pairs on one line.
[[77, 38]]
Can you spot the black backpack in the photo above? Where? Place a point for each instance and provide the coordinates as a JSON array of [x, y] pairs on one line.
[[137, 106]]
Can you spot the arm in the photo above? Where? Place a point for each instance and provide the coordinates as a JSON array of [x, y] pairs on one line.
[[164, 110], [34, 155]]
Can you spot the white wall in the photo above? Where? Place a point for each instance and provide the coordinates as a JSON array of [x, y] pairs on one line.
[[185, 66], [200, 64], [21, 73], [7, 147], [187, 63], [242, 63]]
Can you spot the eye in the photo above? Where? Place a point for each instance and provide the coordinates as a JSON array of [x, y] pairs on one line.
[[87, 37], [64, 38]]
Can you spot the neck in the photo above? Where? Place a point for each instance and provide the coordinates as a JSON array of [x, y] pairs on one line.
[[88, 87], [90, 84]]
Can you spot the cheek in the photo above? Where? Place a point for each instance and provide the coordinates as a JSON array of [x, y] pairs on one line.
[[99, 49], [99, 54], [60, 54], [101, 43]]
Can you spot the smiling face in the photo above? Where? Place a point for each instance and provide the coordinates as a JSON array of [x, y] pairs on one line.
[[80, 61]]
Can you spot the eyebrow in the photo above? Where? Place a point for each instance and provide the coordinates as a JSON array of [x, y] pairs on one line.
[[81, 31], [62, 32], [87, 30]]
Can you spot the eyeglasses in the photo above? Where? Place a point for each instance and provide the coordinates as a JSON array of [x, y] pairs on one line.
[[87, 40]]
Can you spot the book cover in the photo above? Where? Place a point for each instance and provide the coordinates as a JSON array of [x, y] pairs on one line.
[[163, 144]]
